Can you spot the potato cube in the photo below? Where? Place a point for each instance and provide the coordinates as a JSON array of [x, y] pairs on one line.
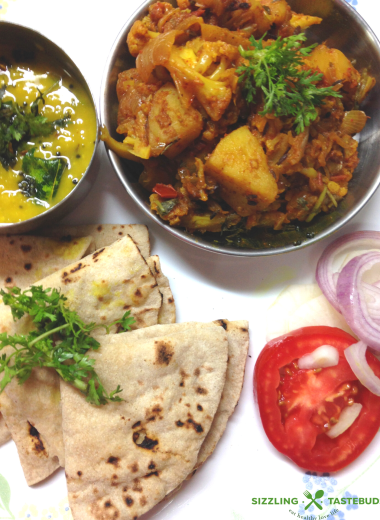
[[240, 167], [172, 125]]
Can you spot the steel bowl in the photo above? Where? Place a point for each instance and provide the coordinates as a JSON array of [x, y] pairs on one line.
[[342, 28], [26, 39]]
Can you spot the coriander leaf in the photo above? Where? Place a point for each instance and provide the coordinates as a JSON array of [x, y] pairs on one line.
[[60, 340], [41, 177], [277, 70], [18, 126]]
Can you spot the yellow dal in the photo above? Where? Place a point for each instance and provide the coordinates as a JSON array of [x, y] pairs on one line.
[[75, 142]]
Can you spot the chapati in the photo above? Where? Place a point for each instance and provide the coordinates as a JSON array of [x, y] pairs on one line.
[[100, 288], [123, 458]]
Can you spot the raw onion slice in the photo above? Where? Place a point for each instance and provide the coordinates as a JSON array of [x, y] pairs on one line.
[[325, 274], [322, 357], [351, 295], [346, 419], [355, 355]]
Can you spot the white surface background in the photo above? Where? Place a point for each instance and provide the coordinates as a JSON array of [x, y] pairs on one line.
[[206, 286]]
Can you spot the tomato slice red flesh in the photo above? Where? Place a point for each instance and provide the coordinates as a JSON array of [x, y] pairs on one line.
[[297, 407]]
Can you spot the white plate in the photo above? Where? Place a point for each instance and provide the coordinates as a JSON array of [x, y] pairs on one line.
[[206, 287]]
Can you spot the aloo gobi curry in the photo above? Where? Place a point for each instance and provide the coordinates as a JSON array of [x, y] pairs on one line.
[[47, 135], [237, 122]]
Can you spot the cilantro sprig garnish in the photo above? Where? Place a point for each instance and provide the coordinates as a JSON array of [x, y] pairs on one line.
[[19, 125], [288, 88], [60, 341]]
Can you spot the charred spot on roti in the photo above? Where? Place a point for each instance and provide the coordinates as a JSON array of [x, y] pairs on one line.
[[38, 445], [8, 280], [28, 267], [99, 228], [201, 391], [138, 293], [137, 487], [143, 501], [243, 329], [114, 461], [151, 474], [154, 285], [104, 510], [170, 300], [77, 268], [97, 253], [199, 407], [164, 352], [129, 501], [95, 491], [25, 248], [188, 405], [197, 372], [180, 424], [134, 467], [136, 425], [126, 307], [184, 376], [222, 323], [153, 418], [79, 473], [197, 427], [143, 276], [142, 440], [151, 465]]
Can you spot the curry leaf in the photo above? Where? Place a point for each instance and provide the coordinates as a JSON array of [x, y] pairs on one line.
[[41, 177]]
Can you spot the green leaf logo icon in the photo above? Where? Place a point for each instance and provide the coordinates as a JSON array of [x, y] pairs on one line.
[[5, 498]]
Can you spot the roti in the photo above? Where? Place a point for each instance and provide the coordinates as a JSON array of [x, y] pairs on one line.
[[103, 234], [123, 458], [167, 312], [238, 343], [26, 259], [101, 288]]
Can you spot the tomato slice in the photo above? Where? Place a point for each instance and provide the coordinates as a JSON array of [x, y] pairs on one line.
[[165, 191], [297, 406]]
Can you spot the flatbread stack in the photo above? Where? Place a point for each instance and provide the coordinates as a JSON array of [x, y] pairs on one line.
[[181, 382]]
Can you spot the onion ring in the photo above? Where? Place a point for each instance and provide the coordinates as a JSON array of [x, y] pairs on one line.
[[325, 276], [355, 355], [351, 294]]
